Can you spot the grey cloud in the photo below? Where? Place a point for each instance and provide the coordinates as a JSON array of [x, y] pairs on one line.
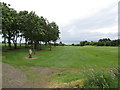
[[82, 27], [103, 18]]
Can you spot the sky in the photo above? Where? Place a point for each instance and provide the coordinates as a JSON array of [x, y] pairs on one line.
[[78, 20]]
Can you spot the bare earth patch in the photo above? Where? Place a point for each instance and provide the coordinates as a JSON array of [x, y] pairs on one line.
[[38, 77], [13, 78], [72, 84], [41, 76], [31, 58], [2, 57]]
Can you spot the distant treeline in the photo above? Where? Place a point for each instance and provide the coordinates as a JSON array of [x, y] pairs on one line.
[[100, 42]]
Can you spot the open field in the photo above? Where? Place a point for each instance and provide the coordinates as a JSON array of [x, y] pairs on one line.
[[63, 64], [59, 44], [66, 57]]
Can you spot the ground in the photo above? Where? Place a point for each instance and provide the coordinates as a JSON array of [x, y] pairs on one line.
[[13, 78], [57, 68]]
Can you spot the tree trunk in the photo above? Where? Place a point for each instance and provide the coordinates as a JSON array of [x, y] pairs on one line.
[[36, 45], [32, 44], [15, 45], [5, 41], [25, 43], [40, 46], [45, 43], [9, 43], [5, 44], [9, 38], [16, 42], [54, 43], [50, 45], [20, 41]]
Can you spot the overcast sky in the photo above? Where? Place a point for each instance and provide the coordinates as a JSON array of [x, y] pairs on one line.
[[78, 20]]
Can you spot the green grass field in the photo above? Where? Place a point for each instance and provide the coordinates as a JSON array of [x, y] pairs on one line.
[[76, 61], [67, 57]]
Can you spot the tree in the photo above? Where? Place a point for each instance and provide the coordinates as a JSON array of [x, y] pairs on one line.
[[22, 16], [83, 43], [103, 42], [14, 28], [31, 27], [55, 32], [7, 21]]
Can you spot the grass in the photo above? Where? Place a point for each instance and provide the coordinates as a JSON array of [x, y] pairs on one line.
[[66, 57], [102, 80], [65, 77], [77, 61]]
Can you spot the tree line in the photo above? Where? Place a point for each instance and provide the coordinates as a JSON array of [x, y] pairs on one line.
[[26, 25], [100, 42]]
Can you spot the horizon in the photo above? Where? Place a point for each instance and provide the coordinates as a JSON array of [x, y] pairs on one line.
[[69, 42]]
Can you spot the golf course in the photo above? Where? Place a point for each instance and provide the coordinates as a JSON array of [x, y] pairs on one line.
[[59, 44], [66, 57], [62, 65]]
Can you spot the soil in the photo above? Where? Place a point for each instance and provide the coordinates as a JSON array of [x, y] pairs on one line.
[[30, 58], [42, 76], [2, 57], [13, 78]]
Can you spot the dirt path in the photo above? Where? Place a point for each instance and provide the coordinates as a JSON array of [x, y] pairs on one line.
[[13, 78], [39, 77], [29, 77]]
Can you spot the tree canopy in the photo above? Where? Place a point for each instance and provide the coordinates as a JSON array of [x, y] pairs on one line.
[[28, 25]]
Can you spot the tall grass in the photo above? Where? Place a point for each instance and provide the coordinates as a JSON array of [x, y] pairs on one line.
[[103, 80]]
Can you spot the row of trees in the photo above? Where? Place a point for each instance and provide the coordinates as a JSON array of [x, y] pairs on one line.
[[102, 42], [27, 25]]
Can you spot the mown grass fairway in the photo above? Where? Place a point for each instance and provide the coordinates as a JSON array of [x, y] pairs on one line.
[[67, 57], [63, 63]]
